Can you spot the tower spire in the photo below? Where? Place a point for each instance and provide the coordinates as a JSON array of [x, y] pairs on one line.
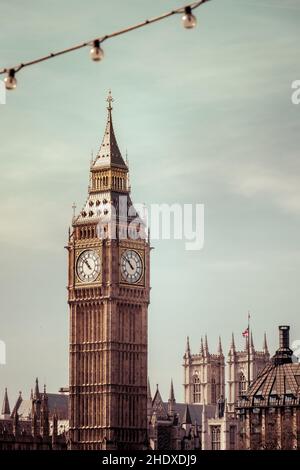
[[36, 390], [220, 350], [201, 347], [5, 407], [187, 349], [172, 395], [171, 401], [232, 346], [109, 153], [206, 351], [265, 344]]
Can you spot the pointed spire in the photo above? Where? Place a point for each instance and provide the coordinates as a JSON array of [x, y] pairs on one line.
[[220, 350], [265, 344], [171, 401], [187, 349], [187, 416], [36, 390], [172, 395], [232, 346], [109, 153], [201, 347], [206, 351], [5, 407]]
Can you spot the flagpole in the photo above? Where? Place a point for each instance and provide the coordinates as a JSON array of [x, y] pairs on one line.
[[249, 349]]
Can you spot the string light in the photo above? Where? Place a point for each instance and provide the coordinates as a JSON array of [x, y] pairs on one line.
[[189, 20], [10, 81], [96, 53]]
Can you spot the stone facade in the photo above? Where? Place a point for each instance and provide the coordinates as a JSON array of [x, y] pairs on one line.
[[108, 292]]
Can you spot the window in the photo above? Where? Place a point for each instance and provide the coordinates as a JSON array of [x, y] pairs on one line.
[[215, 437], [196, 389], [242, 384], [213, 391], [232, 432]]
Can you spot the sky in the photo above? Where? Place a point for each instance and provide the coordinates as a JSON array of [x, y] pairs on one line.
[[206, 117]]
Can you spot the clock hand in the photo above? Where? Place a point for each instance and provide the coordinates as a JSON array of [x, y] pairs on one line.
[[87, 263], [130, 264], [128, 261]]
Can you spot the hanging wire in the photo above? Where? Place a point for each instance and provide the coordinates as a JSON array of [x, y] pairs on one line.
[[189, 21]]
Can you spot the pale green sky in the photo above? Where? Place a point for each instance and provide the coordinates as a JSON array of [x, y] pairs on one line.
[[206, 116]]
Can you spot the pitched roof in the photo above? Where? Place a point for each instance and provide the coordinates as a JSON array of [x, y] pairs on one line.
[[159, 407], [57, 402], [195, 411]]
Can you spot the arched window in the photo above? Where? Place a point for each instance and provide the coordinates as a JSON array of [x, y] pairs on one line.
[[242, 384], [196, 389], [215, 437], [213, 391]]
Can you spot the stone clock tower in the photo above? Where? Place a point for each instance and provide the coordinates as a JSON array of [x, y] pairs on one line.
[[108, 295]]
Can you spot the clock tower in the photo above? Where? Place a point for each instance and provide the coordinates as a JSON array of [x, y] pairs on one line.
[[108, 296]]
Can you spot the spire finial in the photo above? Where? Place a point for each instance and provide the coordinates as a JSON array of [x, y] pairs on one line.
[[201, 347], [109, 99], [36, 389], [187, 349], [206, 345], [220, 351], [232, 346], [5, 406], [172, 394], [265, 344], [74, 208]]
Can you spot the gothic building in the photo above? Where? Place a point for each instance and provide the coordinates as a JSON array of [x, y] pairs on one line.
[[204, 372], [269, 411], [40, 423], [108, 294], [207, 419]]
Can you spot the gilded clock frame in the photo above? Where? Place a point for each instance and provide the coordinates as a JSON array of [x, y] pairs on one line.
[[78, 252], [141, 253]]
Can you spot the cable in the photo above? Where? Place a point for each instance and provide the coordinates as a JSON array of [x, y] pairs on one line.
[[189, 21]]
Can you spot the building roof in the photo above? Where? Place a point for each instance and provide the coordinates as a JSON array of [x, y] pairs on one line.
[[195, 412], [109, 153], [279, 380], [56, 403]]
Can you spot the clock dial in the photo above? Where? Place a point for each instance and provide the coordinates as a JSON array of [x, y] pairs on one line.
[[88, 266], [131, 266]]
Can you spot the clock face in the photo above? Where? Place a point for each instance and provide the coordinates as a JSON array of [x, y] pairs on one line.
[[88, 266], [131, 266]]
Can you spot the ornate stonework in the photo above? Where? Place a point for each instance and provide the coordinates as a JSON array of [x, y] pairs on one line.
[[108, 298]]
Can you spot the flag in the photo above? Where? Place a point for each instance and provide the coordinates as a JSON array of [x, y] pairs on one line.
[[246, 333]]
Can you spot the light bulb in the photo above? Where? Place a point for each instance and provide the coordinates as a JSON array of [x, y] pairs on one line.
[[189, 20], [10, 81], [96, 53]]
